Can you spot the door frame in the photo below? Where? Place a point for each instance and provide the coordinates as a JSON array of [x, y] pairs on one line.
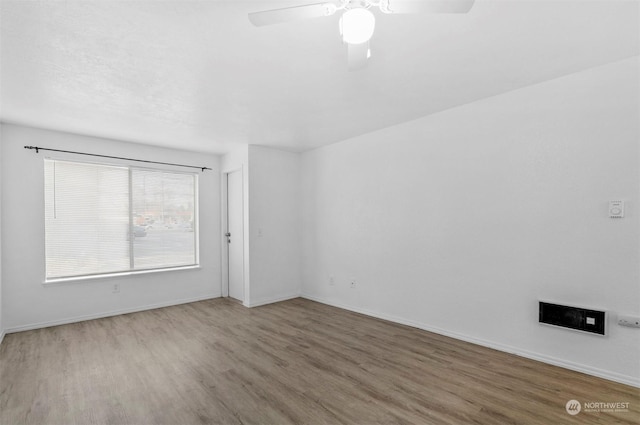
[[224, 223]]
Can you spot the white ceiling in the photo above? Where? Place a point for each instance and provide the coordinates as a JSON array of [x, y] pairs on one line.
[[197, 75]]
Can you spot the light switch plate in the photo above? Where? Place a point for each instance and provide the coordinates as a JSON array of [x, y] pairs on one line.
[[616, 209]]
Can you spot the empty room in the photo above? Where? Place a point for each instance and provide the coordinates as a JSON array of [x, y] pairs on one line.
[[351, 212]]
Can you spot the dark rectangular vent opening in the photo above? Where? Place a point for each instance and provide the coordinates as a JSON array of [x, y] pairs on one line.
[[577, 318]]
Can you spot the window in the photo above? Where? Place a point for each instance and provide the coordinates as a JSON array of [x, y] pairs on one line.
[[102, 219]]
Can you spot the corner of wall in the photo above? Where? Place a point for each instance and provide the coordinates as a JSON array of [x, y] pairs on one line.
[[274, 225]]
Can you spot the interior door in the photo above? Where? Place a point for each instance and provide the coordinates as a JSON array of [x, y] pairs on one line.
[[235, 236]]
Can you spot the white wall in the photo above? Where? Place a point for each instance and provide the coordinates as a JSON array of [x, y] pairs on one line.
[[27, 302], [274, 224], [461, 221], [1, 321]]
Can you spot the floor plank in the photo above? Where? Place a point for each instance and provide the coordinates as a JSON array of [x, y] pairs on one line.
[[294, 362]]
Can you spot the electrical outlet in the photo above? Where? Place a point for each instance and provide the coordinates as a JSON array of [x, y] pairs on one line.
[[116, 288], [353, 284], [631, 321], [332, 281]]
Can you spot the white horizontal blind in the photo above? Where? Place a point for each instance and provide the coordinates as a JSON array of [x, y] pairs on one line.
[[92, 223], [86, 218]]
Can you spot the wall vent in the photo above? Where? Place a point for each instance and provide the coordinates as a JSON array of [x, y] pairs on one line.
[[577, 318]]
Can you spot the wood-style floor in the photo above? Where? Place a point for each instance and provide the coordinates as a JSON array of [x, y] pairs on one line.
[[295, 362]]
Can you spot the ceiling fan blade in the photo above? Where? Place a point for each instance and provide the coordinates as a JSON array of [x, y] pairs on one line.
[[357, 55], [276, 16], [427, 6]]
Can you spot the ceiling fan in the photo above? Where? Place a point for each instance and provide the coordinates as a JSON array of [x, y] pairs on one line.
[[357, 21]]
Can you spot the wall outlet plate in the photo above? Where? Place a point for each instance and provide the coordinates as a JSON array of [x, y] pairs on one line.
[[631, 321]]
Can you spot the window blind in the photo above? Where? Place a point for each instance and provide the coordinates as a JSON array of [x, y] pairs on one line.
[[102, 219]]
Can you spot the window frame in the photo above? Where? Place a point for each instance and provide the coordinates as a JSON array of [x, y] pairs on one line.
[[131, 270]]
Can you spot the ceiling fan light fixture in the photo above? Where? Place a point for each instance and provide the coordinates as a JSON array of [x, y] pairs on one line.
[[357, 25]]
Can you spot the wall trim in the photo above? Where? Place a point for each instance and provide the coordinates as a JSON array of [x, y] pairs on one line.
[[271, 300], [2, 334], [76, 319], [577, 367]]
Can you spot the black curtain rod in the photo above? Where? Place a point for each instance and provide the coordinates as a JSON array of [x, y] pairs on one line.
[[38, 149]]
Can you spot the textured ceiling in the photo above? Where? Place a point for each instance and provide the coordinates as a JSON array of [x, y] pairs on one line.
[[197, 75]]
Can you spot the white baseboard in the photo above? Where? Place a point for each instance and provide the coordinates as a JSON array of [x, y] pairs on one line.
[[107, 314], [271, 300], [600, 373]]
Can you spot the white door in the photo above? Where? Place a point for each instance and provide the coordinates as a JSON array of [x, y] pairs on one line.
[[235, 237]]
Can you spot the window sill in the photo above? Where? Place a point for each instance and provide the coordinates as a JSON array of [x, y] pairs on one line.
[[73, 279]]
